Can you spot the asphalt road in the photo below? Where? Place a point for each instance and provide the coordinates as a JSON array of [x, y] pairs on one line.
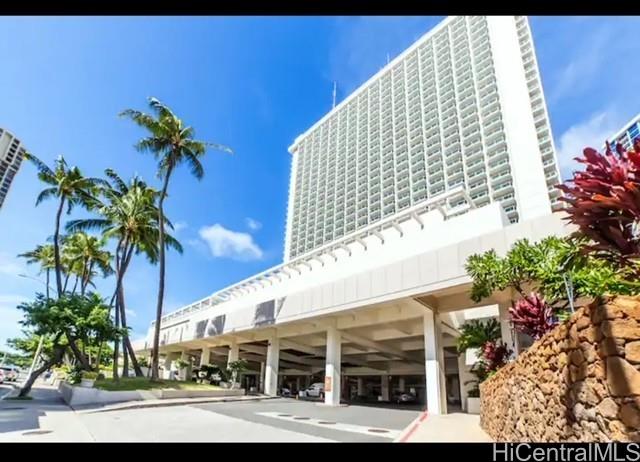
[[4, 389]]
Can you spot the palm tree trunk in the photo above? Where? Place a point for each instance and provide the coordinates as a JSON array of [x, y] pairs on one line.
[[56, 248], [75, 286], [156, 331], [48, 270], [126, 341], [116, 344], [80, 357], [56, 358]]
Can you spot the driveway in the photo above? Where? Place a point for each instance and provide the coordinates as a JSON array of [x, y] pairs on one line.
[[347, 423]]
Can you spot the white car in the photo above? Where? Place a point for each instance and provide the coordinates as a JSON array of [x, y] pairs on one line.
[[1, 376], [315, 390]]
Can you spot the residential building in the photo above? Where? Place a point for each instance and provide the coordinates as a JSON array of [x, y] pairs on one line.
[[11, 154]]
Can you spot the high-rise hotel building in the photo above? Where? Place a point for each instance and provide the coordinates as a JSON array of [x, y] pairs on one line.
[[627, 134], [11, 154], [461, 107]]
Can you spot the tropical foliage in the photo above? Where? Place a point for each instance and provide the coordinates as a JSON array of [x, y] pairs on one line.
[[476, 332], [80, 320], [172, 143], [604, 202]]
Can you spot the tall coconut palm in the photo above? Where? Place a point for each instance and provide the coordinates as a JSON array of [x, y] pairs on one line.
[[43, 256], [86, 256], [129, 215], [172, 143], [71, 188]]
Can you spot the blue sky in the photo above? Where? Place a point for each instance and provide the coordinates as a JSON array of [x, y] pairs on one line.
[[253, 84]]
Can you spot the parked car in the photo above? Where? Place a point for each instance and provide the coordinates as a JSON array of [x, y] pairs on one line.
[[1, 376], [315, 390], [285, 393], [10, 373], [402, 397]]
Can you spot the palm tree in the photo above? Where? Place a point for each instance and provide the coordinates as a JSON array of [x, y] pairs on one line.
[[43, 256], [86, 256], [130, 216], [172, 143], [71, 188]]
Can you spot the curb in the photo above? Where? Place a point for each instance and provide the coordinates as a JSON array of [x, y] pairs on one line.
[[11, 393], [143, 405], [413, 426]]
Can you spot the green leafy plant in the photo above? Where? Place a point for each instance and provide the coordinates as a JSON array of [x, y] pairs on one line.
[[74, 376], [235, 368], [182, 364], [476, 332], [89, 375]]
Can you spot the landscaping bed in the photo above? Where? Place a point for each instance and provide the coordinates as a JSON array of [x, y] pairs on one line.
[[139, 388]]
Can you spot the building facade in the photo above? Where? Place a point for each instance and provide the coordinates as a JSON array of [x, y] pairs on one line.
[[462, 107], [445, 153], [11, 155], [626, 135]]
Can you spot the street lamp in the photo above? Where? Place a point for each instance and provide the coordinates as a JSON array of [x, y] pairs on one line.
[[41, 342]]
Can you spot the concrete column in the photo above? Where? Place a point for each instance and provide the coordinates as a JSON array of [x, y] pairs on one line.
[[261, 379], [384, 387], [271, 372], [464, 376], [168, 362], [298, 383], [205, 357], [401, 384], [505, 325], [360, 386], [332, 371], [234, 352], [434, 364], [307, 381], [186, 372]]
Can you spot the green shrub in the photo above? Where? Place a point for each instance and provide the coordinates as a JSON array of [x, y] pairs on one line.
[[89, 375]]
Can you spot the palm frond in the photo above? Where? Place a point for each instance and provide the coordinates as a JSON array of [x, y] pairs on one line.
[[46, 194], [194, 163], [87, 224], [40, 165], [117, 180]]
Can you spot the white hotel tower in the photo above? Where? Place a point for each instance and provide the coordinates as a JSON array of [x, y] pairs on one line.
[[463, 106], [446, 152]]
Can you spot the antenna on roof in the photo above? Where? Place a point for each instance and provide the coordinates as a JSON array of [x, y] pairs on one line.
[[334, 94]]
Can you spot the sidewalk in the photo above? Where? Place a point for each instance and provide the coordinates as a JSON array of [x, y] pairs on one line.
[[456, 427], [90, 408], [44, 418]]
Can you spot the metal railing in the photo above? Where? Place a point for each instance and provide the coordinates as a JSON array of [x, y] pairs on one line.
[[287, 269]]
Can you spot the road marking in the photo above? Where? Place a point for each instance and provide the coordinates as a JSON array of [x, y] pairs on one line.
[[324, 423], [414, 426]]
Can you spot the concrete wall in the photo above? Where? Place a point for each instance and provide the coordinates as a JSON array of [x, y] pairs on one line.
[[383, 272], [580, 382]]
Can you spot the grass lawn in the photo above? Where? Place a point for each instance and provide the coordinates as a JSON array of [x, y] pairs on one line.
[[143, 383]]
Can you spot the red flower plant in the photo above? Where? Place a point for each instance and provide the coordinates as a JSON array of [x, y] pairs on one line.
[[604, 201], [495, 355], [532, 316]]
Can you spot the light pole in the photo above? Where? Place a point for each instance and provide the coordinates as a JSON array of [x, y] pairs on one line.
[[41, 342]]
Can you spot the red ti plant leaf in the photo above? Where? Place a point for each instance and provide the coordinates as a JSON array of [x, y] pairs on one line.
[[532, 315], [603, 200], [495, 355]]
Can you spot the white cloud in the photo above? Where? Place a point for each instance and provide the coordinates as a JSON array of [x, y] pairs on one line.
[[224, 242], [10, 317], [11, 266], [179, 226], [592, 133], [252, 224]]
